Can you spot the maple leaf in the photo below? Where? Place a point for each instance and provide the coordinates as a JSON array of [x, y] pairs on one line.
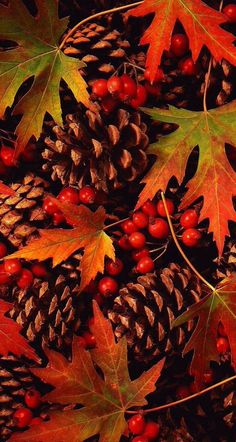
[[215, 179], [10, 338], [37, 55], [59, 244], [105, 399], [201, 23], [217, 306]]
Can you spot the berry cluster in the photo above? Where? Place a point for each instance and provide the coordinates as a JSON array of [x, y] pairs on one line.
[[189, 221], [24, 417], [230, 12], [142, 430], [179, 48]]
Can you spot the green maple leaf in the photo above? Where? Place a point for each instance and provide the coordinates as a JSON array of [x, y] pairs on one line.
[[36, 54], [105, 399], [217, 306], [215, 179]]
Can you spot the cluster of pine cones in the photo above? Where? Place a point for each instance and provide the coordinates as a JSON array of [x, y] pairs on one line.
[[109, 152]]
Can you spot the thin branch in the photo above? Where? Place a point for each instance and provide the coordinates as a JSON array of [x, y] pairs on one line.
[[115, 224], [180, 249], [98, 14], [188, 398]]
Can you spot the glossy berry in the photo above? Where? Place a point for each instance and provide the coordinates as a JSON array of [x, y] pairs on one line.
[[39, 270], [188, 67], [128, 226], [139, 254], [87, 195], [114, 268], [129, 87], [159, 76], [149, 208], [3, 250], [107, 286], [124, 243], [13, 266], [230, 12], [189, 219], [221, 330], [109, 104], [136, 424], [158, 228], [22, 417], [140, 219], [140, 99], [141, 438], [25, 280], [151, 430], [50, 207], [58, 218], [69, 195], [161, 209], [36, 421], [100, 88], [191, 237], [115, 85], [179, 44], [222, 345], [145, 265], [89, 339], [8, 156], [137, 240], [4, 277], [32, 398]]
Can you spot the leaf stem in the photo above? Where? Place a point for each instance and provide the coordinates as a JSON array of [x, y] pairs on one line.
[[188, 398], [98, 14], [180, 249]]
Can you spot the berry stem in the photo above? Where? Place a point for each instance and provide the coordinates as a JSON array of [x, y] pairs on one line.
[[116, 223], [180, 249], [98, 14], [188, 398]]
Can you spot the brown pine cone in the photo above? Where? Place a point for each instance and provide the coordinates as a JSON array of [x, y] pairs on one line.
[[106, 151], [144, 310]]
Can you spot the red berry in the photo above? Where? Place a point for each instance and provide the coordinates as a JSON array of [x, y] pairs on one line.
[[129, 87], [8, 156], [129, 227], [69, 195], [87, 195], [3, 250], [140, 219], [36, 421], [149, 208], [109, 104], [32, 398], [151, 430], [89, 339], [124, 243], [22, 417], [158, 228], [188, 67], [221, 330], [137, 240], [141, 438], [4, 277], [50, 207], [179, 44], [115, 85], [107, 286], [183, 391], [58, 218], [81, 342], [230, 12], [222, 345], [141, 97], [13, 266], [145, 265], [114, 268], [139, 254], [153, 89], [25, 280], [39, 270], [136, 424], [191, 237], [161, 209], [100, 88], [189, 219], [159, 76]]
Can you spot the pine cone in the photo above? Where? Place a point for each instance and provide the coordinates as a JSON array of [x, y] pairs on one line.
[[15, 379], [144, 310], [107, 151]]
